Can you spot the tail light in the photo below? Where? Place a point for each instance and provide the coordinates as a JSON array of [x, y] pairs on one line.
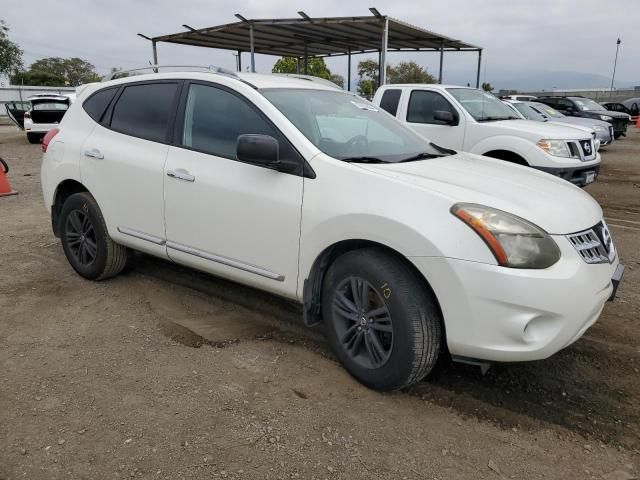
[[48, 137]]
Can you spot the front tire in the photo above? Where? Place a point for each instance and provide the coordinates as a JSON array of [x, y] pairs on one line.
[[382, 322], [86, 241]]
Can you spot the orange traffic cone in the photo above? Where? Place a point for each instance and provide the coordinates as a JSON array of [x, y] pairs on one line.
[[638, 121], [5, 188]]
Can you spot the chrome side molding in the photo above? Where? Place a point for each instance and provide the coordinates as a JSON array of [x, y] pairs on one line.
[[230, 262], [142, 236]]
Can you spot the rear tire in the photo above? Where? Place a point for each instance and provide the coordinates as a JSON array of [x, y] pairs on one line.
[[387, 334], [86, 241], [34, 138]]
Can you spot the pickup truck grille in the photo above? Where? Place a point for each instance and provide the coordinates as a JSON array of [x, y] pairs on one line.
[[594, 245]]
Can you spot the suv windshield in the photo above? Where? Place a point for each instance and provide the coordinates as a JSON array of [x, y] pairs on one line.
[[347, 127], [546, 110], [482, 106], [586, 104], [529, 113]]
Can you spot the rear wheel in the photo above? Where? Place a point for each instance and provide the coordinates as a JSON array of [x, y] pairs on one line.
[[86, 241], [34, 137], [382, 322]]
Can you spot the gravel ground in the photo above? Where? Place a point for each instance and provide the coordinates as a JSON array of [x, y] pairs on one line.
[[168, 373]]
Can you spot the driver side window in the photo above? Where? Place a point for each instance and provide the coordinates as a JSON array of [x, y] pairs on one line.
[[423, 104]]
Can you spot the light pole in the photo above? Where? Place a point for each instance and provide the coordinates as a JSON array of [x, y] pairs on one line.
[[613, 77]]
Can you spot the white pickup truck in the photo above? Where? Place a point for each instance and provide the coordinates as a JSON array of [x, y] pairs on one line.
[[474, 121]]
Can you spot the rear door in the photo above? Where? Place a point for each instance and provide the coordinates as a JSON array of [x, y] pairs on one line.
[[123, 162], [16, 111], [224, 216], [420, 113]]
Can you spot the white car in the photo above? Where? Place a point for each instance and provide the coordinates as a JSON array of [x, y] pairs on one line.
[[520, 98], [400, 248], [474, 121], [46, 113]]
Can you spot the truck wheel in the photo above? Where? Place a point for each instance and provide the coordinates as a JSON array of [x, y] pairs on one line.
[[34, 138], [383, 323], [86, 241]]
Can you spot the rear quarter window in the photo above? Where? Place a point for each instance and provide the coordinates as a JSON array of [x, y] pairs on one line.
[[390, 100], [97, 104]]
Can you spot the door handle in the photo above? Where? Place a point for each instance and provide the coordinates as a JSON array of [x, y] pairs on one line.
[[181, 174], [94, 153]]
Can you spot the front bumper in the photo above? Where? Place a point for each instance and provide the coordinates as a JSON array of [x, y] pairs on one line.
[[503, 314], [580, 176]]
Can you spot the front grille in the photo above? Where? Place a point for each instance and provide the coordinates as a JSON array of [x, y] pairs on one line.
[[594, 245]]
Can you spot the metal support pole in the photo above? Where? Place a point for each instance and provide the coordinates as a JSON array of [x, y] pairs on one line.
[[298, 65], [239, 65], [615, 62], [306, 60], [251, 42], [349, 70], [155, 52], [383, 51], [441, 61], [479, 65]]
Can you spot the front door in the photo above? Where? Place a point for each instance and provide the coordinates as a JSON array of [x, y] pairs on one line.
[[420, 117], [233, 219]]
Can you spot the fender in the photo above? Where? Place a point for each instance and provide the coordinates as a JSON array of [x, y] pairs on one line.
[[517, 145]]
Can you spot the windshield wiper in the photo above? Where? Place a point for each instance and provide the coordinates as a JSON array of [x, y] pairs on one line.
[[363, 160], [444, 150], [419, 156]]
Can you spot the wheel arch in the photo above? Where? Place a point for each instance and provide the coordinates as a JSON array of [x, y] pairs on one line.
[[312, 288], [64, 190], [508, 156]]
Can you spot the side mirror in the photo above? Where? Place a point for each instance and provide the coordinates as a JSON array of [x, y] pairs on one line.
[[258, 149], [443, 116]]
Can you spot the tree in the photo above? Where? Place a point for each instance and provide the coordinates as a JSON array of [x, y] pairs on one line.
[[337, 79], [10, 53], [75, 71], [368, 72], [42, 79], [408, 72], [315, 66], [486, 86]]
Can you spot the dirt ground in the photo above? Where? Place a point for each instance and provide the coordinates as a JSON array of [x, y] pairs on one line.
[[168, 373]]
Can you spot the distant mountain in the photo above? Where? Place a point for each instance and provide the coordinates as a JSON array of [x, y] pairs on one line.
[[536, 80]]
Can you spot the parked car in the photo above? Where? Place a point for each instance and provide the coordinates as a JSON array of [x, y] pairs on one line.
[[616, 107], [587, 108], [602, 131], [633, 104], [474, 121], [46, 113], [520, 98], [16, 111], [312, 193]]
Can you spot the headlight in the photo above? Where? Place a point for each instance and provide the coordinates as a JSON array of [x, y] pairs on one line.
[[606, 118], [557, 148], [598, 128], [514, 242]]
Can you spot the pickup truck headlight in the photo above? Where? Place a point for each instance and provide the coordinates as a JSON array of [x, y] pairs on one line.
[[515, 242], [557, 148], [606, 118]]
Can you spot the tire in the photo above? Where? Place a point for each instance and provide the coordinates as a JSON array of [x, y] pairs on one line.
[[34, 137], [85, 239], [617, 135], [406, 319]]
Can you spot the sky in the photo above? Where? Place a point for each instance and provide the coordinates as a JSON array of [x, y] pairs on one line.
[[521, 38]]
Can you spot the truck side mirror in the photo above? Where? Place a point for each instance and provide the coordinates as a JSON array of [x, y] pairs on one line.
[[445, 117]]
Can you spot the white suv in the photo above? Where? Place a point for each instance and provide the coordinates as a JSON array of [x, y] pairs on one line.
[[474, 121], [400, 248]]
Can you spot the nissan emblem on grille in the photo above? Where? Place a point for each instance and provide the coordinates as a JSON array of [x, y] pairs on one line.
[[586, 145]]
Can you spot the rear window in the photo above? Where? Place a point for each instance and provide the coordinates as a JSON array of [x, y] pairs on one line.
[[389, 101], [97, 103], [144, 110], [50, 106]]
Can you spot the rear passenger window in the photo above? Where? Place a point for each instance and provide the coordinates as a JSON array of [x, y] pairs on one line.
[[144, 110], [389, 101], [97, 103], [423, 104], [214, 118]]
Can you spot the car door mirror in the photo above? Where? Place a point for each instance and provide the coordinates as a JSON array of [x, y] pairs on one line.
[[258, 149], [443, 116]]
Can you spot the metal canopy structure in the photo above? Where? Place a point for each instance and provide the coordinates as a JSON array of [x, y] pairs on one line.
[[308, 37]]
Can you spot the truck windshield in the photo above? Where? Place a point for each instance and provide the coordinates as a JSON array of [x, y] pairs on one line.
[[348, 127], [482, 106]]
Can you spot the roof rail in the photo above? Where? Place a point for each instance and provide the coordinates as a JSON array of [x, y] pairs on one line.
[[170, 68], [311, 78]]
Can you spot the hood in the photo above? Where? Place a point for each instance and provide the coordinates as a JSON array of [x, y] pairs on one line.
[[597, 113], [582, 122], [555, 205], [538, 129]]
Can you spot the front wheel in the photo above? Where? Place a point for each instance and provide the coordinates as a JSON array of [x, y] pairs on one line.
[[86, 241], [382, 321]]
